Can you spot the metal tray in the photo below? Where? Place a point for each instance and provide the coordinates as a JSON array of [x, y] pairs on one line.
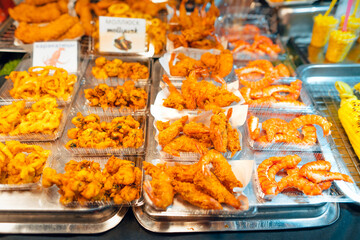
[[290, 3], [320, 82]]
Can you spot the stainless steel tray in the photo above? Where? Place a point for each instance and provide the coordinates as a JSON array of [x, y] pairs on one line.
[[320, 82], [266, 219]]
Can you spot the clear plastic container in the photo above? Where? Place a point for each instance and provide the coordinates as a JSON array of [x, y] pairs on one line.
[[84, 105], [52, 196], [205, 119], [339, 45], [111, 81], [352, 26], [39, 136], [180, 208], [248, 55], [24, 65], [29, 186], [295, 197], [284, 146], [323, 25], [316, 54], [104, 151]]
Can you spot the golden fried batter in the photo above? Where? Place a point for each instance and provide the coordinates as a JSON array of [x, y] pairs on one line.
[[84, 182], [43, 117], [38, 83], [21, 163], [31, 14], [126, 96], [121, 132], [116, 68]]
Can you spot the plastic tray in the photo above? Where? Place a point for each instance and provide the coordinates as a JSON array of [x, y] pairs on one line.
[[84, 105], [39, 136], [111, 81], [35, 185], [51, 194], [264, 115], [106, 151], [290, 197], [24, 65], [233, 24], [181, 209], [246, 55]]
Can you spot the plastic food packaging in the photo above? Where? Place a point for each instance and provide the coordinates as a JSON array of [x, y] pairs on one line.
[[323, 25], [339, 45], [352, 26]]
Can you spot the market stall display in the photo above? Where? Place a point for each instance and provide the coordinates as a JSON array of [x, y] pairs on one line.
[[199, 136]]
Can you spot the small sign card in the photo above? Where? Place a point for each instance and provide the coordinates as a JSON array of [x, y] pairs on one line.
[[62, 54], [122, 34]]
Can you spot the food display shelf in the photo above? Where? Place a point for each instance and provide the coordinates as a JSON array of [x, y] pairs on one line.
[[7, 30], [320, 82]]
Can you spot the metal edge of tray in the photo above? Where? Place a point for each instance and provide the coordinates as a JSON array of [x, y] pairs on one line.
[[266, 221], [62, 227], [344, 150]]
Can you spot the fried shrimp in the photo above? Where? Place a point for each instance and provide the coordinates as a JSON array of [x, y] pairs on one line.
[[170, 133], [300, 121], [159, 189], [190, 193]]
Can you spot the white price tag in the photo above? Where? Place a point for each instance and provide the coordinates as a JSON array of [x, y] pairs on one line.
[[122, 34], [62, 54]]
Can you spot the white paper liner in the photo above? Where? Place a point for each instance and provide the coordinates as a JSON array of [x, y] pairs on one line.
[[190, 52], [242, 169], [165, 113]]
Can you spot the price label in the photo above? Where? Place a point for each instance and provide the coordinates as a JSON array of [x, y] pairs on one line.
[[122, 34], [62, 54]]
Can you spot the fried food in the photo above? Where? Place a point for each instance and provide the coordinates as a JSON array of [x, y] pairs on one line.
[[29, 33], [38, 82], [74, 32], [84, 182], [82, 8], [218, 65], [198, 95], [312, 178], [191, 194], [21, 163], [121, 132], [125, 96], [159, 189], [278, 130], [196, 28], [116, 68], [194, 183], [38, 2], [180, 136], [170, 133], [261, 45], [31, 14], [43, 117]]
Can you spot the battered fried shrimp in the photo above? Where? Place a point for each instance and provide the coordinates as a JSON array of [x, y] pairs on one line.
[[38, 2], [84, 182], [221, 169], [21, 163], [219, 131], [170, 133], [43, 117], [52, 31], [161, 126], [126, 96], [121, 132], [210, 185], [40, 82], [159, 189], [31, 14], [190, 193], [196, 130], [184, 144], [183, 173]]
